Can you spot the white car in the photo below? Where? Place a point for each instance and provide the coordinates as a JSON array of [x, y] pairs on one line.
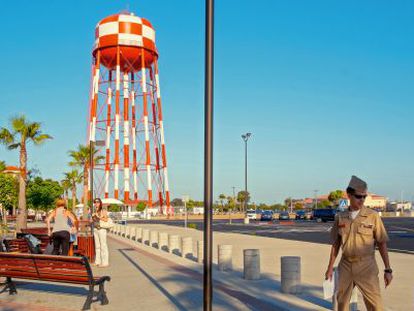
[[251, 215]]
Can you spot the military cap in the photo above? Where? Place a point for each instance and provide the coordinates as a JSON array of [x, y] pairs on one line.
[[358, 184]]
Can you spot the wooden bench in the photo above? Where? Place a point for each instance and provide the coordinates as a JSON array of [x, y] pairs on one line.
[[20, 244], [61, 269]]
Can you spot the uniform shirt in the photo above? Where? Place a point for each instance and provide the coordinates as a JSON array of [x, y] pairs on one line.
[[358, 236]]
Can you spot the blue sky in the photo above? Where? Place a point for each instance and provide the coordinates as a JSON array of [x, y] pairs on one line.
[[326, 88]]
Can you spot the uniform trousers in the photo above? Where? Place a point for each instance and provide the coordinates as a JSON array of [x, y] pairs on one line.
[[101, 247], [363, 274]]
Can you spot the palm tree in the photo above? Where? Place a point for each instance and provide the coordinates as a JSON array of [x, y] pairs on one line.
[[20, 133], [74, 178], [81, 159], [2, 166], [65, 183]]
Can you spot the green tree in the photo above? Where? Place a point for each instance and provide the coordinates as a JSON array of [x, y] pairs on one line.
[[74, 178], [298, 205], [114, 208], [324, 204], [22, 132], [177, 202], [43, 193], [335, 196], [81, 159], [9, 189], [231, 203], [141, 206], [2, 166], [243, 197], [65, 184], [222, 198]]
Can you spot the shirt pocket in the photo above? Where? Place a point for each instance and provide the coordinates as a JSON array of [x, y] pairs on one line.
[[365, 230]]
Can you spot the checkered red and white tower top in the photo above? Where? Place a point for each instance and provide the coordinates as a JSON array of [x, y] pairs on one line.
[[129, 32]]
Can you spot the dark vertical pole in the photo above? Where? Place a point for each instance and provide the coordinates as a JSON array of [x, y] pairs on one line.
[[208, 157], [245, 166], [91, 150]]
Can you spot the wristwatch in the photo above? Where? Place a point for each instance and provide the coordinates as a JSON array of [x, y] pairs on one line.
[[389, 270]]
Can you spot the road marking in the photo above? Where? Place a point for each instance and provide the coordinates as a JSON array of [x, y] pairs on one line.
[[407, 229], [397, 232]]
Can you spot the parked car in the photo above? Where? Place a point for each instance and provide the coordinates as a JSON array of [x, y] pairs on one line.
[[284, 216], [266, 216], [300, 215], [324, 214], [251, 214]]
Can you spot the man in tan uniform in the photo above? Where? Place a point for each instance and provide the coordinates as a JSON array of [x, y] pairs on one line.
[[357, 231]]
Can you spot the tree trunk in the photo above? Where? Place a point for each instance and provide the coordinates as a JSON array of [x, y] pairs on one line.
[[85, 191], [73, 197], [21, 221]]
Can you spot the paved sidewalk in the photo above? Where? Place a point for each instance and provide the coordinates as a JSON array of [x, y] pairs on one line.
[[146, 278]]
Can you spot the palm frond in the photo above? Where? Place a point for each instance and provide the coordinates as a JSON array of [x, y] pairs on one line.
[[19, 123], [13, 146], [41, 138], [6, 137]]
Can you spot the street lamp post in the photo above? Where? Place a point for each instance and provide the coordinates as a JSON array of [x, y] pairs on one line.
[[316, 198], [245, 138], [208, 157]]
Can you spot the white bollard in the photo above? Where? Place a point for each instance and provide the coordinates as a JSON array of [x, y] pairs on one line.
[[225, 257], [145, 236], [174, 244], [138, 234], [251, 263], [132, 233], [127, 231], [154, 239], [290, 275], [200, 251], [163, 241], [246, 221], [187, 247], [122, 230]]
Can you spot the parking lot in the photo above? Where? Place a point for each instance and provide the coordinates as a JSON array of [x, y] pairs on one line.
[[400, 230]]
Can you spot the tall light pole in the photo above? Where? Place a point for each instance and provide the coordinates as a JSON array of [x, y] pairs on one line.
[[245, 138], [208, 157], [316, 198]]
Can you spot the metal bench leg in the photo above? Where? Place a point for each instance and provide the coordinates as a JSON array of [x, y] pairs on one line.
[[10, 286], [87, 304], [102, 295]]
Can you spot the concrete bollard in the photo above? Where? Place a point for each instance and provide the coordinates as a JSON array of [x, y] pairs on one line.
[[246, 221], [154, 239], [200, 251], [174, 244], [138, 234], [397, 214], [187, 247], [290, 275], [225, 262], [251, 263], [127, 231], [145, 236], [121, 231], [132, 233], [163, 241]]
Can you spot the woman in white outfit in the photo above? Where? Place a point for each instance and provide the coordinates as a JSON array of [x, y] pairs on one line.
[[101, 247]]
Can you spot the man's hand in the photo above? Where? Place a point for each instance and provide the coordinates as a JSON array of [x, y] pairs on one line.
[[387, 278], [329, 273]]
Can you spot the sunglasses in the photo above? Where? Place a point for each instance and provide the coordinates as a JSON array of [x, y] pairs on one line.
[[96, 202], [359, 196]]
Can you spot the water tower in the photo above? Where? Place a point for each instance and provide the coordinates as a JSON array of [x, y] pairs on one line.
[[126, 113]]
